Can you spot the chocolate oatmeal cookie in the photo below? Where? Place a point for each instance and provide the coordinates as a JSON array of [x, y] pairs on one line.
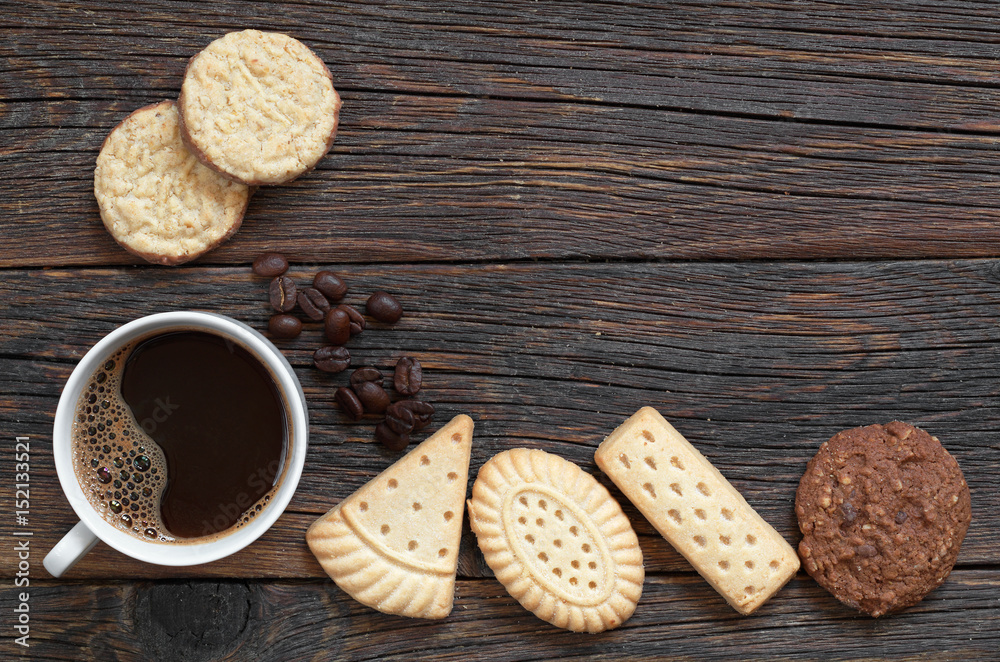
[[883, 510]]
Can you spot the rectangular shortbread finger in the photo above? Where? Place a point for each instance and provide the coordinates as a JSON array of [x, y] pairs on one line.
[[696, 509]]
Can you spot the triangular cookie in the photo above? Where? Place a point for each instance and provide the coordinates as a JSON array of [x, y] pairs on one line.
[[393, 544]]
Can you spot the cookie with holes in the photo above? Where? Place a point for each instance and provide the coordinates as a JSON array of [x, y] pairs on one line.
[[393, 544], [883, 511], [557, 540], [697, 510]]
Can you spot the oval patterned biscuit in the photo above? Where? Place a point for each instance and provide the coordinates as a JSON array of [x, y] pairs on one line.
[[259, 107], [557, 540]]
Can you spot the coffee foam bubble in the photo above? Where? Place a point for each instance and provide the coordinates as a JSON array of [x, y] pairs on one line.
[[122, 471]]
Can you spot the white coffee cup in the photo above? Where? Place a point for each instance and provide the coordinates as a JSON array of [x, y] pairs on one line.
[[93, 527]]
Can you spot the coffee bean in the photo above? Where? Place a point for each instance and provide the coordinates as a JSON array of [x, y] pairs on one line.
[[312, 302], [389, 439], [332, 359], [307, 307], [866, 551], [384, 307], [423, 412], [330, 284], [367, 374], [408, 376], [357, 319], [338, 326], [349, 403], [270, 265], [282, 294], [399, 419], [284, 326], [372, 396]]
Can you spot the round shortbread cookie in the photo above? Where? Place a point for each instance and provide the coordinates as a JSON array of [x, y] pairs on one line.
[[259, 107], [156, 199], [557, 540]]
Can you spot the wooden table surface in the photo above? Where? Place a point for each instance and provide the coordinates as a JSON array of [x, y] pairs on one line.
[[771, 221]]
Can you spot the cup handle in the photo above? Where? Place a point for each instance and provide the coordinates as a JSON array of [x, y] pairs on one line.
[[73, 546]]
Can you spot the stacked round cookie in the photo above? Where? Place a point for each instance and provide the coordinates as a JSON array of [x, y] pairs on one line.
[[173, 180]]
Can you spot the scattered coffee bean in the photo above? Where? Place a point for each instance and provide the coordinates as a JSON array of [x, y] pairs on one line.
[[423, 412], [270, 265], [313, 303], [367, 374], [867, 551], [332, 359], [282, 294], [338, 326], [394, 442], [349, 403], [307, 307], [399, 419], [408, 376], [372, 396], [357, 319], [384, 307], [284, 326], [330, 284]]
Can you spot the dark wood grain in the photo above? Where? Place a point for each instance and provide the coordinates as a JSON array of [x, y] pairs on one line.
[[585, 208], [553, 181], [605, 138], [300, 621], [928, 65]]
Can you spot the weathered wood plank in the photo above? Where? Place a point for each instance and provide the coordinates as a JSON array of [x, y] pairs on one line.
[[553, 131], [469, 136], [524, 179], [757, 363], [677, 617], [922, 66], [687, 155]]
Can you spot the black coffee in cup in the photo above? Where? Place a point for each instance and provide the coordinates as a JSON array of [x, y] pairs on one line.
[[180, 436]]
